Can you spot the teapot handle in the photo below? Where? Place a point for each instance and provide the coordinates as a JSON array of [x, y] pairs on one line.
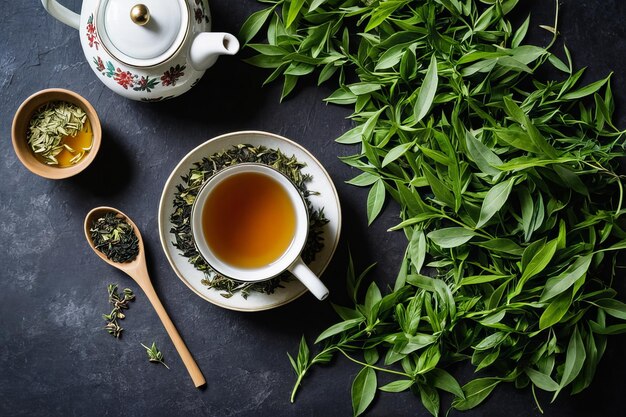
[[62, 13]]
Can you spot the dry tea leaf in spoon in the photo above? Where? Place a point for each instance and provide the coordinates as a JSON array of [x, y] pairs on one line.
[[114, 236]]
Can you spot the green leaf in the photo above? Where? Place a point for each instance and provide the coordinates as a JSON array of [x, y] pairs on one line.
[[339, 327], [517, 138], [520, 33], [621, 245], [397, 386], [346, 313], [430, 399], [542, 381], [299, 69], [483, 20], [265, 61], [382, 12], [586, 90], [444, 381], [501, 245], [484, 158], [483, 66], [328, 71], [436, 156], [538, 262], [341, 96], [527, 54], [401, 277], [364, 88], [363, 390], [253, 24], [534, 260], [556, 310], [315, 4], [558, 64], [427, 91], [294, 9], [438, 286], [294, 365], [609, 330], [372, 297], [476, 391], [271, 50], [288, 86], [494, 201], [571, 180], [451, 237], [591, 362], [375, 200], [574, 360], [396, 152], [556, 285], [370, 125], [303, 356], [352, 136], [517, 114], [391, 57], [440, 190], [417, 250], [612, 307], [363, 180], [420, 218], [491, 341], [481, 279], [371, 356], [408, 65], [528, 212]]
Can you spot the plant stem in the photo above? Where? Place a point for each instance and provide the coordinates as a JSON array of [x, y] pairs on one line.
[[373, 366], [301, 375]]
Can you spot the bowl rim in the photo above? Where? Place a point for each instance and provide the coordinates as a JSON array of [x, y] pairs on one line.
[[22, 117]]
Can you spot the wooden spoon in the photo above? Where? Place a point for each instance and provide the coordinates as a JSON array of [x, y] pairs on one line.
[[138, 271]]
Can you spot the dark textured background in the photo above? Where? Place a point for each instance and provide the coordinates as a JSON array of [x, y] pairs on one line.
[[55, 359]]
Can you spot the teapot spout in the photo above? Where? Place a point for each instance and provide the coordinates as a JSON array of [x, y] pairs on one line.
[[207, 46]]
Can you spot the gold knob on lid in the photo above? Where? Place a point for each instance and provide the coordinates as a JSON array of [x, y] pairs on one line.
[[140, 14]]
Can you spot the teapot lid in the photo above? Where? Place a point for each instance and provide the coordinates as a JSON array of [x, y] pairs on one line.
[[143, 34]]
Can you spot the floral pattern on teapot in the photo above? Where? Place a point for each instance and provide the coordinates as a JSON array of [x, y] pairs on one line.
[[199, 12], [127, 79], [92, 34]]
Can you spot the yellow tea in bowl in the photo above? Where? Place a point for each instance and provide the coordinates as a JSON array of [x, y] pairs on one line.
[[60, 134], [249, 220]]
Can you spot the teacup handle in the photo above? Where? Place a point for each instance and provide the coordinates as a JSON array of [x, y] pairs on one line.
[[309, 279]]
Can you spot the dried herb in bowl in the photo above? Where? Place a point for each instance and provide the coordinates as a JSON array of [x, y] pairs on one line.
[[59, 133], [202, 171], [115, 237]]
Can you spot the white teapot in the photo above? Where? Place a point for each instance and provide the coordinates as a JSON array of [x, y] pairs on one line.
[[150, 51]]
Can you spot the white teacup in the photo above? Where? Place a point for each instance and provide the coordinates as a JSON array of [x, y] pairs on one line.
[[289, 260]]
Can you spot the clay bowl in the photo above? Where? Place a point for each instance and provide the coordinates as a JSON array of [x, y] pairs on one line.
[[20, 129]]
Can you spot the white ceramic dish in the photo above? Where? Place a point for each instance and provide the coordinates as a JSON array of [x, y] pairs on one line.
[[321, 183]]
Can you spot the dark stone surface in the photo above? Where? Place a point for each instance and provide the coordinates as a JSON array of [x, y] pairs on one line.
[[55, 359]]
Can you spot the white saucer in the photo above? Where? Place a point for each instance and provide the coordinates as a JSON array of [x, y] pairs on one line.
[[320, 182]]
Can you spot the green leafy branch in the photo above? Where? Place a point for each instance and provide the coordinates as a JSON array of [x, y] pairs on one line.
[[509, 185]]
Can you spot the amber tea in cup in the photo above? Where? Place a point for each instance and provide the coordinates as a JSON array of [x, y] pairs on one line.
[[250, 223], [248, 220]]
